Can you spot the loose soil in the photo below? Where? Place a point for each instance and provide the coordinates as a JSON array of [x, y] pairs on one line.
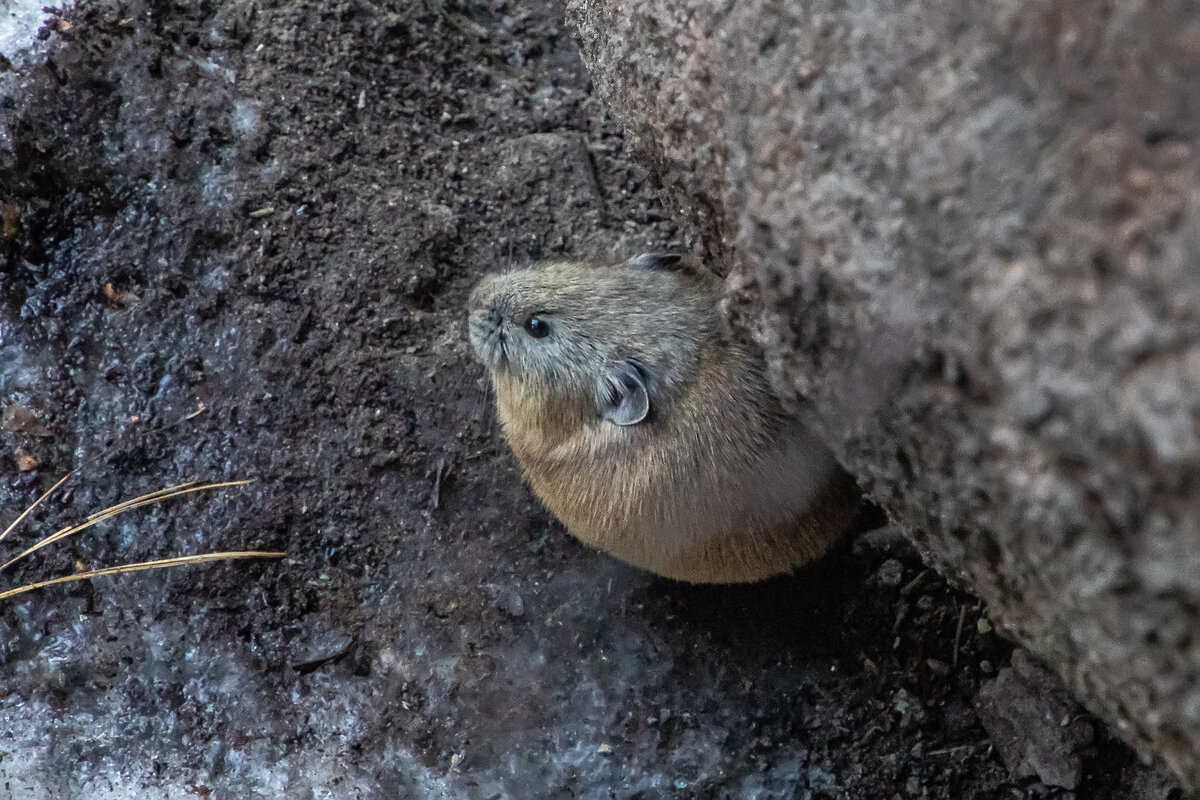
[[276, 210]]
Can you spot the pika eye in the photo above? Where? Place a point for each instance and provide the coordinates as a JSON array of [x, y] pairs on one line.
[[537, 327]]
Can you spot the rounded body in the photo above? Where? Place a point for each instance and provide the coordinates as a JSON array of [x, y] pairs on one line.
[[716, 484]]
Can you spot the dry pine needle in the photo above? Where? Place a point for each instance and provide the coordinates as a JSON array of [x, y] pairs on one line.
[[161, 563], [150, 498]]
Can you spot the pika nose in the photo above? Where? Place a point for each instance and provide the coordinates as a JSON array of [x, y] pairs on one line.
[[487, 315]]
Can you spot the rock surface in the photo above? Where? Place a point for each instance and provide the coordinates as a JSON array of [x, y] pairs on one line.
[[967, 235], [1036, 727]]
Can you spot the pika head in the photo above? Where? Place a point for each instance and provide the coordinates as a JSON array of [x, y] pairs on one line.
[[614, 340]]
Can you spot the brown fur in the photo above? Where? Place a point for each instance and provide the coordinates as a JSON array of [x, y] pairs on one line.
[[717, 486]]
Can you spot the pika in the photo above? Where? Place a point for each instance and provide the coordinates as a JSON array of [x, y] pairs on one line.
[[646, 428]]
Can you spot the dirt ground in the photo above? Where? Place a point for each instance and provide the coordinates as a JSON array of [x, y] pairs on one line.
[[277, 209]]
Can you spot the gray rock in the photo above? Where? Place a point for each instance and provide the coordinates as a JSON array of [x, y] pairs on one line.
[[966, 236], [1036, 727]]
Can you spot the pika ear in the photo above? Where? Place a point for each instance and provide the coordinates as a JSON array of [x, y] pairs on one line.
[[622, 397], [667, 262]]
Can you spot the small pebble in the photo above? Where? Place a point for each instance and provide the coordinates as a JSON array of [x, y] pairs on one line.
[[510, 602], [890, 573]]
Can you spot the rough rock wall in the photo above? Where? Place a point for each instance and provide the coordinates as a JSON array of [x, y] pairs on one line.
[[968, 234]]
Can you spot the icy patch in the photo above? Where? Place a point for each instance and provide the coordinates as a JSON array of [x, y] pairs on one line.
[[21, 368], [19, 24]]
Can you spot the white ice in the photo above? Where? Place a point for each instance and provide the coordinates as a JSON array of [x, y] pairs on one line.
[[19, 23]]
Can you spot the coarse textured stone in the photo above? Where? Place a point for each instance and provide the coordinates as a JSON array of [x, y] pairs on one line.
[[967, 235], [1035, 726]]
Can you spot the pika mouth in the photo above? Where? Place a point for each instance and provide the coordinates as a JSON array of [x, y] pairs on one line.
[[502, 356], [489, 342]]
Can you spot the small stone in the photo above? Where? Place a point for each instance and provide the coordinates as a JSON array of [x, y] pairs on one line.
[[509, 601], [26, 462], [1022, 710], [18, 419], [890, 573]]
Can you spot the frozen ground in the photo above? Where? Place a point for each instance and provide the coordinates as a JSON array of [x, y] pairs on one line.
[[19, 23]]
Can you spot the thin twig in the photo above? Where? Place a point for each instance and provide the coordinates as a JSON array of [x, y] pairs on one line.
[[957, 748], [120, 508], [126, 504], [139, 432], [436, 494], [161, 563], [36, 503], [200, 409], [962, 615]]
